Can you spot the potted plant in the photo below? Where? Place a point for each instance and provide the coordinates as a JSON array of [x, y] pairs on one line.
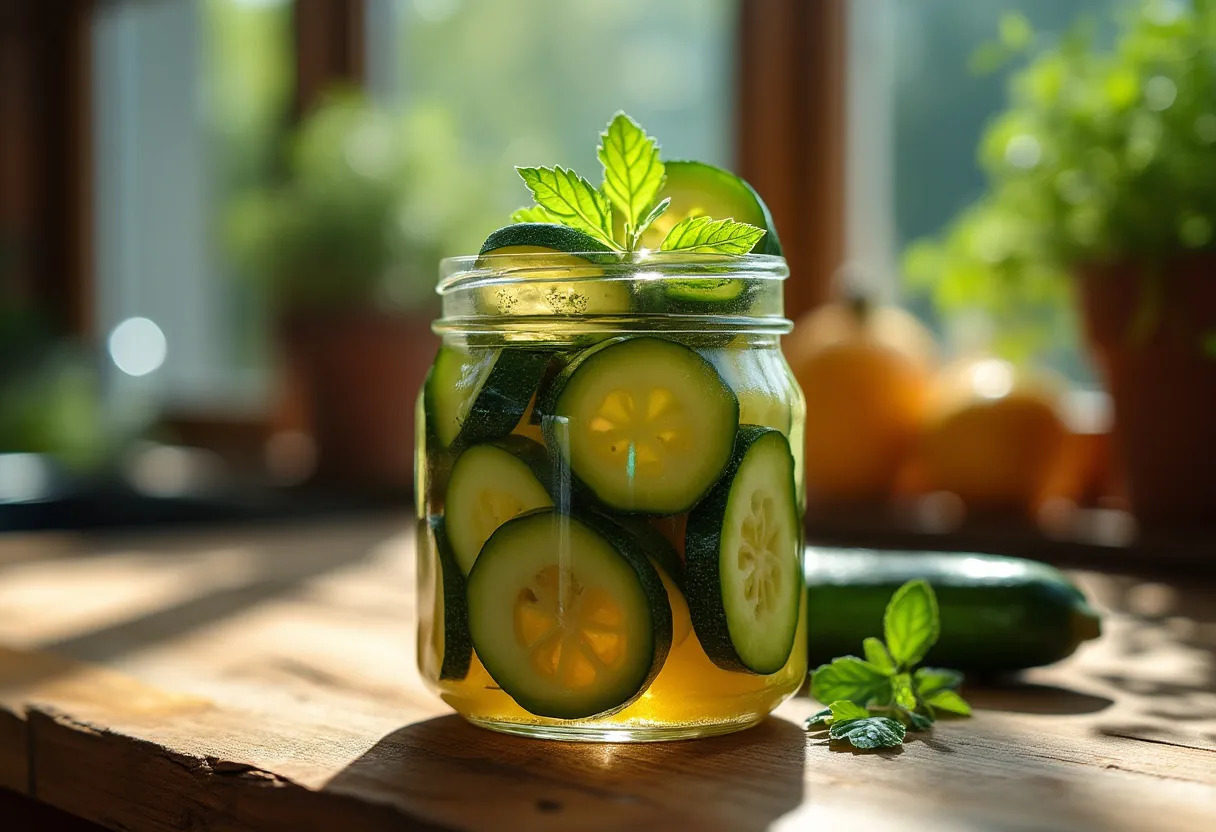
[[346, 248], [1102, 185]]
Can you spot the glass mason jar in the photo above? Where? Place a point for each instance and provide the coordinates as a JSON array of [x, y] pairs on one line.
[[609, 481]]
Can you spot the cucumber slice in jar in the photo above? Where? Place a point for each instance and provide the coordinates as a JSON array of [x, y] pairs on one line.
[[475, 395], [567, 614], [743, 577], [698, 189], [543, 253], [443, 638], [645, 424], [490, 484]]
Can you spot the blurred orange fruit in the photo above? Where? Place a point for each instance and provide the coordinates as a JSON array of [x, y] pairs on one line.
[[865, 372], [994, 437]]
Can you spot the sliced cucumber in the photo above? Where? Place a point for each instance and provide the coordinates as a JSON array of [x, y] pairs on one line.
[[698, 189], [478, 395], [491, 483], [560, 254], [544, 238], [743, 573], [667, 561], [645, 424], [567, 614], [716, 290], [443, 639]]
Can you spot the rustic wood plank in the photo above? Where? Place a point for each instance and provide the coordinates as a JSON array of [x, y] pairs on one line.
[[264, 679]]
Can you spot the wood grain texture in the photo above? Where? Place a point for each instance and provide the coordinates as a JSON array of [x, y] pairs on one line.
[[264, 679]]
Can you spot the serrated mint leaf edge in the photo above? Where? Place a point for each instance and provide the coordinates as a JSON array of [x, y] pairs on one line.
[[706, 235], [633, 171], [591, 214]]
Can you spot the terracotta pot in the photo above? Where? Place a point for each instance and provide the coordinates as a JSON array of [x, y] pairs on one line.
[[356, 375], [1163, 386]]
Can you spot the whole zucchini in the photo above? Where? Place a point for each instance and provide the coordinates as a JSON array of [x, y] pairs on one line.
[[997, 613]]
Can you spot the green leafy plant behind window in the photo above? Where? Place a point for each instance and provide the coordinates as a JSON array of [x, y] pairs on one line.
[[1104, 154]]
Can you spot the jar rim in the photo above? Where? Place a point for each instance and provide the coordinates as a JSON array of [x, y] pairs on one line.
[[471, 271]]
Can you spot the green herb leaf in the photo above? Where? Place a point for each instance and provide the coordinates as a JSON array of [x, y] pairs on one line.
[[654, 214], [571, 200], [532, 213], [911, 624], [702, 234], [819, 719], [950, 701], [918, 722], [929, 680], [843, 710], [878, 655], [872, 732], [633, 173], [852, 679], [902, 692]]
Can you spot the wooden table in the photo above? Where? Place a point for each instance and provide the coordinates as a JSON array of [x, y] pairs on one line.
[[264, 679]]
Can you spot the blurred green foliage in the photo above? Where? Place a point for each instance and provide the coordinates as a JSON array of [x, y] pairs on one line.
[[371, 201], [1103, 154]]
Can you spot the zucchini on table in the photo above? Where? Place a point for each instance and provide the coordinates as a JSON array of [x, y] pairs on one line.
[[997, 613]]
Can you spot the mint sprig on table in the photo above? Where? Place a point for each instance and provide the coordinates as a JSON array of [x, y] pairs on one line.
[[633, 178], [875, 700]]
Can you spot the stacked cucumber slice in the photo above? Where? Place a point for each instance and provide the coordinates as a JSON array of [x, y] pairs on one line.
[[547, 563]]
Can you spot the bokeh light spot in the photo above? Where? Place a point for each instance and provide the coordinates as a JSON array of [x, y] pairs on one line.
[[137, 346]]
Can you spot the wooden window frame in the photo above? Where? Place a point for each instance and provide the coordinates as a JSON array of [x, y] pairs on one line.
[[791, 128]]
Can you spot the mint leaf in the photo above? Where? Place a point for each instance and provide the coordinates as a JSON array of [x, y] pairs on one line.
[[852, 679], [918, 722], [633, 173], [532, 213], [878, 655], [655, 212], [872, 732], [948, 700], [702, 234], [843, 710], [911, 624], [929, 680], [902, 692], [818, 719], [571, 200]]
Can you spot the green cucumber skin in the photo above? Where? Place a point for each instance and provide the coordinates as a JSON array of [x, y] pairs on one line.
[[546, 405], [502, 401], [1022, 614], [457, 645], [635, 551], [656, 545], [768, 244], [559, 238], [702, 575]]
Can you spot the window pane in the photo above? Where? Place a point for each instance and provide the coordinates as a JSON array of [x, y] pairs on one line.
[[532, 82], [190, 104], [913, 85]]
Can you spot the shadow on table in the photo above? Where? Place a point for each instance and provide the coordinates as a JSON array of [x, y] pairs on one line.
[[1020, 697], [446, 771]]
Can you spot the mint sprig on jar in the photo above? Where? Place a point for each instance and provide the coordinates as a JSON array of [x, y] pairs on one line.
[[610, 504]]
